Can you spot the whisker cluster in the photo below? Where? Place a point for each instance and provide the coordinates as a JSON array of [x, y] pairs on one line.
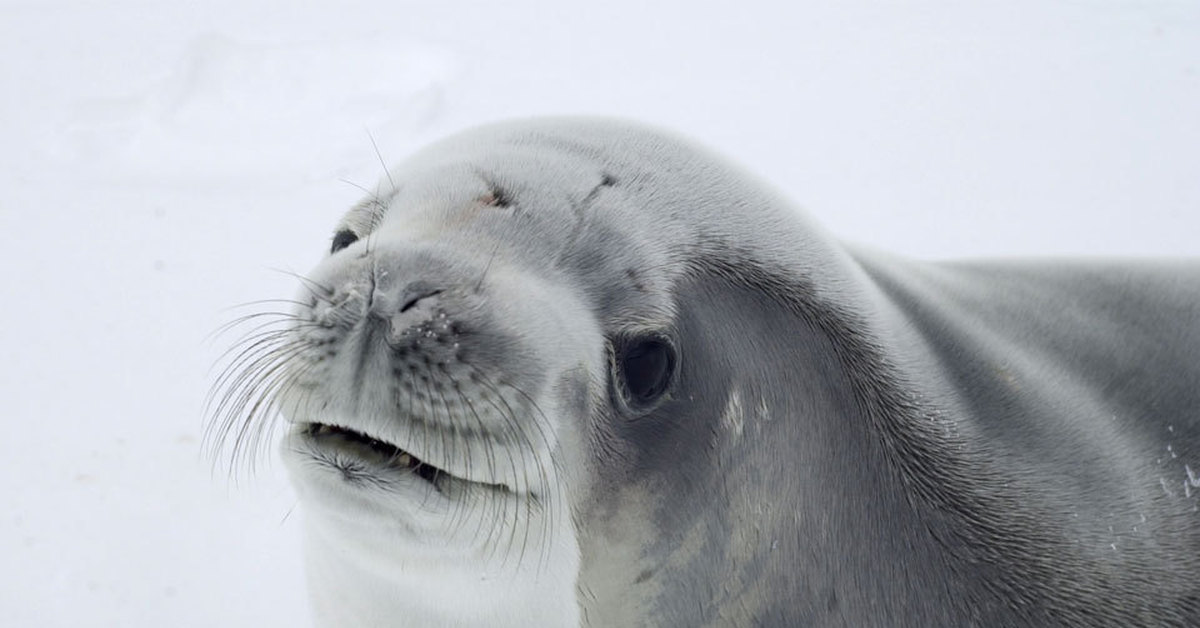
[[269, 371], [255, 373]]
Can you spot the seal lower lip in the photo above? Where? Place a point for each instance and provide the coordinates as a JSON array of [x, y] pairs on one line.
[[387, 453]]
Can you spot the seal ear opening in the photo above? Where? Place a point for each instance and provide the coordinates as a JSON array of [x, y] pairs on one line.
[[643, 370]]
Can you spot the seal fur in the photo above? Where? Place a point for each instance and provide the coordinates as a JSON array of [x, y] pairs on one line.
[[842, 437]]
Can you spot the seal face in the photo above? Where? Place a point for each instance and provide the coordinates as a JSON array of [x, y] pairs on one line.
[[580, 373]]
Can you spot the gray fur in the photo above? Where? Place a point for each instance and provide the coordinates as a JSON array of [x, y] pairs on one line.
[[852, 439]]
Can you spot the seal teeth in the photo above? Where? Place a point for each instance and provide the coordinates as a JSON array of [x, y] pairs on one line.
[[392, 454], [376, 450]]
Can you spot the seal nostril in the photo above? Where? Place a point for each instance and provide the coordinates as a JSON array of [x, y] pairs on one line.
[[415, 294]]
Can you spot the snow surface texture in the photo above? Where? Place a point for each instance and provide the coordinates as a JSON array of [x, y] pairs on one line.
[[157, 163]]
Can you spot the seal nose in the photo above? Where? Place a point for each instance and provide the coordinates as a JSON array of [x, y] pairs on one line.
[[413, 305], [415, 292], [385, 299]]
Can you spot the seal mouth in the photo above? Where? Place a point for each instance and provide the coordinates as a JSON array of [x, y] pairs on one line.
[[371, 448], [367, 448]]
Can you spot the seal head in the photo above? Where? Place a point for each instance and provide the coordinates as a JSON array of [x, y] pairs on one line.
[[582, 373]]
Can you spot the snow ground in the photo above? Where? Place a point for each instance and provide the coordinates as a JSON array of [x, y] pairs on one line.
[[159, 160]]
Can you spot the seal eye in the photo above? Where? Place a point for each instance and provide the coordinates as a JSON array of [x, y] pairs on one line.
[[342, 239], [645, 366]]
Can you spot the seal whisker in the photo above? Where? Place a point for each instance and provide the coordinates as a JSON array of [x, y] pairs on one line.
[[239, 321], [515, 455], [250, 394], [262, 302], [318, 291], [373, 196], [512, 435], [501, 505], [375, 217], [240, 367], [387, 173], [250, 350], [522, 441], [480, 430], [262, 334], [448, 433], [256, 405], [486, 267]]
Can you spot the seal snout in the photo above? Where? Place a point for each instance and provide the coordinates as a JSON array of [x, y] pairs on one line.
[[409, 356], [397, 301]]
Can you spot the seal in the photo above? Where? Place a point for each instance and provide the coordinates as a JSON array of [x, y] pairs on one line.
[[579, 372]]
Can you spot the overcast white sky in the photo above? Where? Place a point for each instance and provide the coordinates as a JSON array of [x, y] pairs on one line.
[[158, 162]]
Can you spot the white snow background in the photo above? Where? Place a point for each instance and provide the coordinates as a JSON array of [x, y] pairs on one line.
[[159, 162]]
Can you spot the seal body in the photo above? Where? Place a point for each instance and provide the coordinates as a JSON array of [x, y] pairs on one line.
[[582, 373]]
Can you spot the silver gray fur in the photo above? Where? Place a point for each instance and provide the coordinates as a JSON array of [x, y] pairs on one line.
[[852, 439]]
